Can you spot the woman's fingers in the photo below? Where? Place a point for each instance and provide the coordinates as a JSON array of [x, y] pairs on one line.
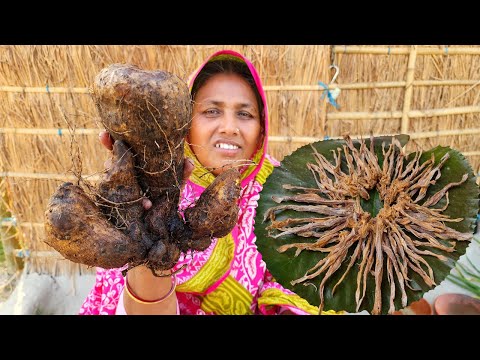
[[147, 204], [105, 139], [187, 168], [187, 171], [108, 163]]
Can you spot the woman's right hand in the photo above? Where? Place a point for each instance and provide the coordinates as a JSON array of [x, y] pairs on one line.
[[140, 278], [107, 141]]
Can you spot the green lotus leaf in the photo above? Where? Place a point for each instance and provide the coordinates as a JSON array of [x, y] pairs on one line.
[[286, 266]]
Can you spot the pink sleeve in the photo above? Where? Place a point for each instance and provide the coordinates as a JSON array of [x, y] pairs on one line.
[[104, 297], [120, 308], [91, 304]]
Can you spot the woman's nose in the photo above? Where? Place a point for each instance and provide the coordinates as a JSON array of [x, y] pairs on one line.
[[229, 125]]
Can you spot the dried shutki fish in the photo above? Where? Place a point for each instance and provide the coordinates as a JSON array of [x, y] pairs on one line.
[[393, 243]]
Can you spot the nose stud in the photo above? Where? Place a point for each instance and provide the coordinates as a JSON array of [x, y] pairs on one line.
[[237, 131]]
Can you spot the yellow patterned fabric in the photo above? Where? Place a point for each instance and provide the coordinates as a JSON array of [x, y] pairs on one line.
[[204, 178], [223, 253], [216, 266], [274, 297], [256, 159], [229, 298], [264, 172], [200, 175]]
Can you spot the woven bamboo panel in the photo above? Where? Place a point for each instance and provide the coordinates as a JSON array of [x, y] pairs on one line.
[[49, 126]]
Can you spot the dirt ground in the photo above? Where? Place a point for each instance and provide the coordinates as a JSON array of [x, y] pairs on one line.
[[42, 294], [27, 293]]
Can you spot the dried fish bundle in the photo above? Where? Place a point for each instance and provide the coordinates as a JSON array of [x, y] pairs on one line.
[[360, 225]]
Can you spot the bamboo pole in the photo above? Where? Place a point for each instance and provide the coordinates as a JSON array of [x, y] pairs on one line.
[[347, 86], [441, 82], [398, 114], [428, 134], [351, 86], [443, 112], [21, 253], [385, 50], [381, 85], [408, 90], [420, 135], [59, 131], [23, 223], [45, 89], [47, 176], [471, 153]]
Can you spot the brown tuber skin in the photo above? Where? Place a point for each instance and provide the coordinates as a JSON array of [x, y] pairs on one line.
[[148, 115], [81, 233]]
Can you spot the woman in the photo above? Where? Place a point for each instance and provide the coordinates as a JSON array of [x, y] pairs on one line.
[[229, 128]]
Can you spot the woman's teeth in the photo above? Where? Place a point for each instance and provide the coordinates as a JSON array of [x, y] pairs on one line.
[[226, 146]]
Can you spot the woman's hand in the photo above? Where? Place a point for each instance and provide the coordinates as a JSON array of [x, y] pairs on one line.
[[140, 279], [145, 285], [107, 141]]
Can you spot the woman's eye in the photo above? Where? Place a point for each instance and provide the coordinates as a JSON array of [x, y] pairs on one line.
[[245, 114], [211, 112]]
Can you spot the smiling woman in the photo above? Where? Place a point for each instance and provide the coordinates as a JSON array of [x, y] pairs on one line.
[[229, 128], [227, 122]]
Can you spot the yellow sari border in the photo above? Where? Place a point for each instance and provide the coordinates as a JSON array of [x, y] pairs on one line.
[[200, 175], [215, 267], [276, 297], [229, 298]]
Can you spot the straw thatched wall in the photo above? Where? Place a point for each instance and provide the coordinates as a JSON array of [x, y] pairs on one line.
[[49, 126]]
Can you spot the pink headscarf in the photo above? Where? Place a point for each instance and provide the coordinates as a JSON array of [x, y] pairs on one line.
[[225, 54]]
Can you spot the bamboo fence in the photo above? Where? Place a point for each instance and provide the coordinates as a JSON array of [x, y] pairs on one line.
[[49, 126]]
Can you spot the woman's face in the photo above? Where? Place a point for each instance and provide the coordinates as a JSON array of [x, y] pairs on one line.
[[225, 124]]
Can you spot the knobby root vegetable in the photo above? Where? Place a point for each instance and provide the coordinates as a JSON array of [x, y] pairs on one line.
[[148, 115]]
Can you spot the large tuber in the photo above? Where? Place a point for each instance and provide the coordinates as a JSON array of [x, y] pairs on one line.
[[148, 114]]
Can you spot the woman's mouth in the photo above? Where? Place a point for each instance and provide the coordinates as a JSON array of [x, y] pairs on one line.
[[226, 146]]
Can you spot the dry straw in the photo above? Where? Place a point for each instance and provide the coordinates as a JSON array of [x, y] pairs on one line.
[[49, 126]]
